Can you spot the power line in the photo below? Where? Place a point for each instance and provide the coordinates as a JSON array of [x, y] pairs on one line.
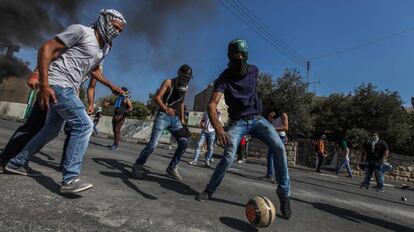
[[266, 28], [263, 34], [363, 44]]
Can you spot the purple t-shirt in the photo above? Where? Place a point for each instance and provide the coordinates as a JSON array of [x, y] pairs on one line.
[[240, 93]]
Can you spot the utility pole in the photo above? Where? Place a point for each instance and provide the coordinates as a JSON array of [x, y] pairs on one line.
[[307, 74], [308, 68]]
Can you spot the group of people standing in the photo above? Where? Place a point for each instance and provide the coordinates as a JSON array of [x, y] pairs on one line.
[[372, 160]]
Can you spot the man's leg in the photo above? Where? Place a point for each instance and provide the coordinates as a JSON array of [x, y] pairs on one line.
[[160, 124], [380, 177], [211, 137], [320, 161], [236, 132], [269, 157], [67, 129], [348, 167], [264, 131], [368, 174], [182, 146], [197, 150], [24, 133], [50, 131]]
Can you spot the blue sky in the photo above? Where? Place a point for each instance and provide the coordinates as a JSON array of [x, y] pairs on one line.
[[311, 28]]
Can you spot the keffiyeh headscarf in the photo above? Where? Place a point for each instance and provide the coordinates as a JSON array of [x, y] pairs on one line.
[[104, 26]]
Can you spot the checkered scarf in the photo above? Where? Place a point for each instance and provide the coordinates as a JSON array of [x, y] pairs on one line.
[[104, 26]]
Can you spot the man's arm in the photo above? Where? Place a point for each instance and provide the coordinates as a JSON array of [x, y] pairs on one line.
[[44, 58], [98, 75], [182, 112], [202, 123], [129, 105], [91, 95], [285, 123], [222, 137], [160, 93]]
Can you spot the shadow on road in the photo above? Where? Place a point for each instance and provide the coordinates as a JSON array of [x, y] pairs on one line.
[[99, 144], [123, 174], [237, 224], [347, 191], [355, 217]]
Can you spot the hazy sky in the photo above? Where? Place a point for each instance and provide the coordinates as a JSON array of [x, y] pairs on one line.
[[198, 34]]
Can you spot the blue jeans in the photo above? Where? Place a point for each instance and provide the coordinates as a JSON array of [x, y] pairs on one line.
[[377, 169], [261, 129], [95, 130], [345, 164], [68, 108], [173, 124], [210, 136], [269, 157]]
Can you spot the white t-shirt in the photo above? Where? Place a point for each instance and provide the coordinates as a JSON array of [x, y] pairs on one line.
[[279, 123], [81, 56], [207, 125]]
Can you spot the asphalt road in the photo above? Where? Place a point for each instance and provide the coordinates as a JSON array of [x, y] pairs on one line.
[[320, 202]]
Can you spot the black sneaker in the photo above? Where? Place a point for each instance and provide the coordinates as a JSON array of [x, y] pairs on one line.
[[74, 186], [284, 205], [137, 171], [203, 196], [173, 173], [363, 186], [22, 170]]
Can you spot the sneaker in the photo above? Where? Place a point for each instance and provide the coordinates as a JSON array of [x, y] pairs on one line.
[[22, 170], [381, 190], [284, 205], [363, 186], [240, 161], [74, 186], [173, 173], [194, 163], [212, 160], [267, 177], [114, 147], [208, 164], [137, 171], [204, 196]]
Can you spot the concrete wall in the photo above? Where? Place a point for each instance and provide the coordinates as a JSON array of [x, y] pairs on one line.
[[14, 89], [12, 109], [202, 99]]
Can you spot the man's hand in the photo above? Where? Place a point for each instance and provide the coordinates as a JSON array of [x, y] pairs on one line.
[[90, 109], [170, 111], [222, 138], [45, 95], [33, 83], [116, 90]]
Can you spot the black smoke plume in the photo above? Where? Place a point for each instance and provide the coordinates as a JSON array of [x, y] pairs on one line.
[[12, 66]]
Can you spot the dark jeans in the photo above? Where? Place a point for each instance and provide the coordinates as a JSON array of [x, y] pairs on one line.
[[321, 158], [117, 122], [241, 152], [24, 133]]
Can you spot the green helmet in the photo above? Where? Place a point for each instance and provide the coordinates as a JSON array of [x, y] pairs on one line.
[[237, 46]]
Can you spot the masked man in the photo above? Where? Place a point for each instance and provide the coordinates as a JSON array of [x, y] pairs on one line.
[[376, 152], [82, 50], [238, 85], [122, 107], [170, 98]]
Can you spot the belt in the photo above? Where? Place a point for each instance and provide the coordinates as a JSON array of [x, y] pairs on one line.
[[247, 117]]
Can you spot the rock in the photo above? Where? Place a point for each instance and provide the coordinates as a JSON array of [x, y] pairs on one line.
[[405, 174]]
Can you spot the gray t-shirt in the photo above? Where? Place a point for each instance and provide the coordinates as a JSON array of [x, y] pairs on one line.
[[81, 56]]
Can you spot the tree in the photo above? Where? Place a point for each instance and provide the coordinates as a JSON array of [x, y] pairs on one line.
[[151, 105], [139, 111], [287, 94]]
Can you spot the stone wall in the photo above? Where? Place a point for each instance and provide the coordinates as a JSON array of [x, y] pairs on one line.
[[403, 166], [259, 150]]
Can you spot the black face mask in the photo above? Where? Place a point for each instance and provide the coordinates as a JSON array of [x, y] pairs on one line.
[[181, 82], [238, 67]]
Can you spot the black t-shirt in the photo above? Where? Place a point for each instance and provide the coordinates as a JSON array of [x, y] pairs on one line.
[[240, 93], [376, 153], [97, 117]]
